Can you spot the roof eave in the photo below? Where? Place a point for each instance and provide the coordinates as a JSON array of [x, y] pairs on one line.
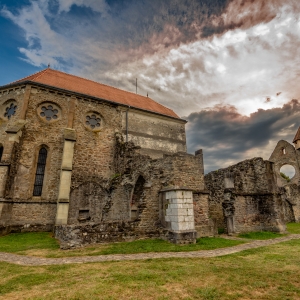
[[85, 96]]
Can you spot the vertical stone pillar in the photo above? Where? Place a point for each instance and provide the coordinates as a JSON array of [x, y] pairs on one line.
[[3, 177], [199, 155], [177, 214], [65, 177], [25, 102], [228, 210]]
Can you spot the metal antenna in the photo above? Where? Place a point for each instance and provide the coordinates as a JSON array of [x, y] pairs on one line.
[[136, 85]]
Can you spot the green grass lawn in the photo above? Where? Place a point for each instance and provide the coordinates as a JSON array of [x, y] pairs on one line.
[[267, 273], [260, 235], [265, 235], [18, 242], [293, 228], [43, 244]]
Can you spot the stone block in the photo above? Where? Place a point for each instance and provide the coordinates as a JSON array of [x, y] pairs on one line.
[[65, 184], [62, 214], [175, 226], [68, 152]]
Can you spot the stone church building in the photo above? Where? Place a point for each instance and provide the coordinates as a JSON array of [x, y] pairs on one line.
[[77, 152]]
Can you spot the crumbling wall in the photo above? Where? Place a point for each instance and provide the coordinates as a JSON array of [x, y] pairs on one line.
[[132, 168], [290, 197], [256, 206], [285, 154]]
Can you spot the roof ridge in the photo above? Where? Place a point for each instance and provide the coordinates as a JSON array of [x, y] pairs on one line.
[[107, 86], [93, 88], [39, 73], [42, 72]]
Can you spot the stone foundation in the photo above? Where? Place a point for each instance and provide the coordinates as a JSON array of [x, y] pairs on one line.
[[71, 236]]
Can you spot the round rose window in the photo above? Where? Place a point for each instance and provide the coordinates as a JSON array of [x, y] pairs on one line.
[[49, 112], [10, 111], [93, 121]]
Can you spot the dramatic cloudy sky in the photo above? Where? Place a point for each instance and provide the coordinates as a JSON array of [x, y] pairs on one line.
[[229, 67]]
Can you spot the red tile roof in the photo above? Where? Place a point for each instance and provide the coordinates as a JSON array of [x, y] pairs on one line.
[[84, 86], [297, 136]]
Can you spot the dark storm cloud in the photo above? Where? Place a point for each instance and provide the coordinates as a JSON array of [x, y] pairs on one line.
[[226, 136]]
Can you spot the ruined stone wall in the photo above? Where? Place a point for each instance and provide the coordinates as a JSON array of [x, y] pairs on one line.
[[253, 186], [204, 224], [285, 154], [77, 235], [119, 195], [290, 196], [156, 135]]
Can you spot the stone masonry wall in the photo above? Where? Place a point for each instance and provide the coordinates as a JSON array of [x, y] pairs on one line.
[[93, 156], [285, 154], [117, 194], [256, 197], [156, 135]]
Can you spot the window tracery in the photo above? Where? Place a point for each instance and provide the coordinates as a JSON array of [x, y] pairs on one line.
[[10, 110], [93, 121], [49, 112]]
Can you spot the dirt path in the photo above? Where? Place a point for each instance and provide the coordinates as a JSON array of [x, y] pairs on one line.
[[38, 261]]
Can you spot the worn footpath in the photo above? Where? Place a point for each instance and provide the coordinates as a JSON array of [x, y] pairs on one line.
[[38, 261]]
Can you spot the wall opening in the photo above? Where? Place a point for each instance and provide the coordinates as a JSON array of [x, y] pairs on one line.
[[287, 172], [40, 172], [137, 198], [283, 151]]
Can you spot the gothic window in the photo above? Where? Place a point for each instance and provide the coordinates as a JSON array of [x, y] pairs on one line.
[[93, 121], [40, 172], [1, 152], [49, 112], [10, 110]]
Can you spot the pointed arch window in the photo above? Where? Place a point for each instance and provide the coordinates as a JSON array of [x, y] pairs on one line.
[[40, 172], [1, 152]]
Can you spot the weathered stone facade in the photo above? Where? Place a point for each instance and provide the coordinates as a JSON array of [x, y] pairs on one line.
[[102, 163]]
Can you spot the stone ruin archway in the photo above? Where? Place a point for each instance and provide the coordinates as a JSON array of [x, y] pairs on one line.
[[137, 198]]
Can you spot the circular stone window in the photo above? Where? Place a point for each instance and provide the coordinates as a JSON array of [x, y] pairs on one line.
[[10, 110], [93, 121], [48, 112], [287, 172]]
